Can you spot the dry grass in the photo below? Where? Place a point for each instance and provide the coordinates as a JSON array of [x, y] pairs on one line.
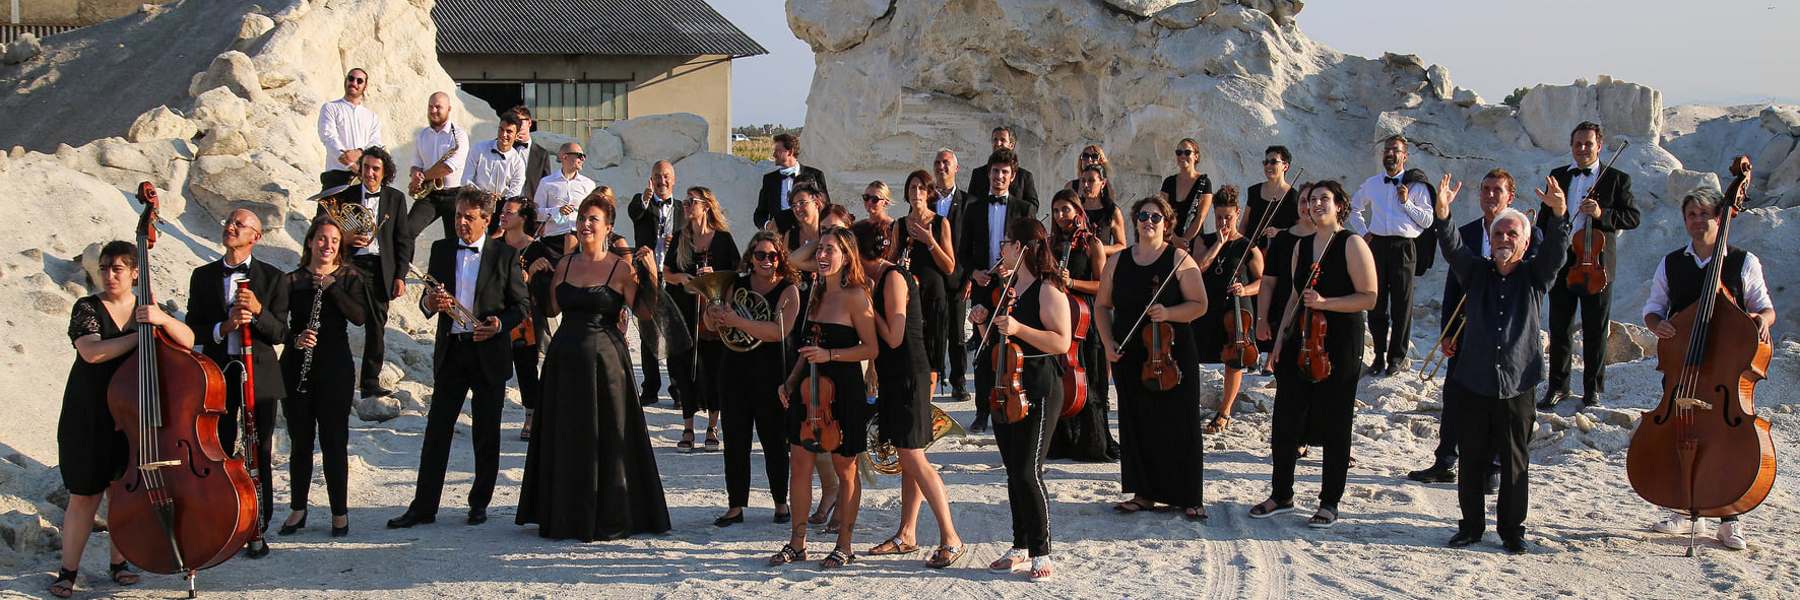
[[757, 149]]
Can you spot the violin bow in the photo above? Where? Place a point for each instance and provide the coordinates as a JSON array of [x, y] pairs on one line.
[[988, 330]]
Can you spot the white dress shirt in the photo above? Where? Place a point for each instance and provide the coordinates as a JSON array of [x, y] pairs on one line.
[[944, 202], [345, 126], [429, 145], [1389, 216], [234, 343], [1756, 291], [371, 201], [489, 169], [787, 182], [665, 213], [1578, 188], [996, 228], [555, 192], [468, 268]]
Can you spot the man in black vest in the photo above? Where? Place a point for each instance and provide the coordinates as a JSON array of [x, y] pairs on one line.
[[217, 311], [471, 354], [772, 199], [655, 215], [1609, 210], [985, 219], [1022, 186], [382, 255], [948, 201], [1679, 282]]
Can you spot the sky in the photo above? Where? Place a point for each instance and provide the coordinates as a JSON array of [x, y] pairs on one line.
[[1714, 52]]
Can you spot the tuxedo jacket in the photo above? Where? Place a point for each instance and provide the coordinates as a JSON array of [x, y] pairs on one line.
[[1022, 186], [959, 199], [973, 253], [643, 221], [207, 308], [768, 199], [395, 240], [1617, 213], [499, 292], [538, 163]]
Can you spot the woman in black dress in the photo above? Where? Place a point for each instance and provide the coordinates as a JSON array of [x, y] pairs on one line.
[[1189, 194], [1218, 263], [750, 404], [925, 249], [589, 471], [1087, 436], [90, 449], [1273, 192], [1323, 410], [702, 245], [837, 333], [517, 219], [325, 296], [1161, 459], [1103, 218], [812, 215], [1038, 322], [1272, 297]]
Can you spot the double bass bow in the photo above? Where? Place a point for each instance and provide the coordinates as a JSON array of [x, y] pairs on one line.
[[183, 504], [1588, 273], [1703, 451]]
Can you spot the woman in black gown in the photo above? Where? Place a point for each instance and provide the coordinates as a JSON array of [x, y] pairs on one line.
[[924, 248], [750, 404], [1218, 263], [1189, 194], [1322, 410], [325, 296], [1161, 459], [1103, 218], [1273, 193], [589, 471], [90, 449], [837, 333], [702, 245], [1087, 436]]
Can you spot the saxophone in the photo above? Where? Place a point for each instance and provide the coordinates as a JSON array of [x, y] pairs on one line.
[[430, 186]]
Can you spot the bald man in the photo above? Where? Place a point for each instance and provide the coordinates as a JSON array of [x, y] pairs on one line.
[[438, 155]]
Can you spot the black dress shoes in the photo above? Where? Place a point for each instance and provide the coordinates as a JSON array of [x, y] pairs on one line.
[[292, 528], [477, 516], [409, 519], [1438, 473], [377, 392], [256, 549], [341, 531], [786, 517], [1463, 539], [729, 521], [1515, 545], [1589, 400], [1551, 399], [980, 424], [1493, 482]]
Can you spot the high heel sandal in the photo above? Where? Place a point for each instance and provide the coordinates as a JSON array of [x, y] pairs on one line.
[[292, 527]]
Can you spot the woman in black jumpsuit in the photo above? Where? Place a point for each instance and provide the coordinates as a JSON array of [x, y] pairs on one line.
[[319, 390]]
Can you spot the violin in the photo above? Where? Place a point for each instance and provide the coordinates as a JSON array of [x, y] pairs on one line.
[[1703, 451], [1315, 361], [1006, 399], [1240, 350], [820, 433], [1587, 274], [1160, 373], [183, 504], [1074, 376]]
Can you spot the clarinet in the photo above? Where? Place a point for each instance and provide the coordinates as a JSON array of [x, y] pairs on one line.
[[306, 354]]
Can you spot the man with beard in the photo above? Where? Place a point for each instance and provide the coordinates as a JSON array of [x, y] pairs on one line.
[[1398, 211], [439, 153], [346, 127]]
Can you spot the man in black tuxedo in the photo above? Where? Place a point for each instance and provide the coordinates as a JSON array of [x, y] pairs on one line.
[[1610, 210], [469, 356], [655, 215], [537, 157], [382, 255], [985, 219], [217, 311], [772, 200], [949, 201], [1022, 186]]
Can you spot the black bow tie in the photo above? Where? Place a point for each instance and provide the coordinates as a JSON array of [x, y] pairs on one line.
[[1580, 172], [243, 269], [1391, 180], [997, 200], [521, 145], [462, 247]]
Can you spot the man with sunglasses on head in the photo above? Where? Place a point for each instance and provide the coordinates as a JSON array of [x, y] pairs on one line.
[[1022, 186], [346, 127]]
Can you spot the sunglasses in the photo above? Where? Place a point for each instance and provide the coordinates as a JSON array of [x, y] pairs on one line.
[[765, 255], [576, 155], [1089, 156], [1268, 162], [873, 198], [355, 79], [1184, 152], [1144, 216]]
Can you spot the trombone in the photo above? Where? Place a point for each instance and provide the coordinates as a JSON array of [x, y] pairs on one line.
[[1439, 353]]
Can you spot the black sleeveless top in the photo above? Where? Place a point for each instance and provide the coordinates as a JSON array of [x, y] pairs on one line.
[[1343, 330], [1080, 264], [1185, 205], [1100, 221], [922, 264], [909, 356], [1285, 216], [1027, 309]]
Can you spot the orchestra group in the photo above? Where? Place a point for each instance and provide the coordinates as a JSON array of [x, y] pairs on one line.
[[826, 332]]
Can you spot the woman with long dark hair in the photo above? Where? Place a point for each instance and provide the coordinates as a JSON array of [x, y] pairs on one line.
[[320, 377], [750, 404], [1097, 205], [1087, 436]]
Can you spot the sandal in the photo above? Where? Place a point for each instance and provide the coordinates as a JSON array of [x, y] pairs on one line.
[[1042, 569], [788, 554], [712, 441], [1217, 424], [1010, 561], [525, 430], [944, 556], [1270, 508], [837, 558], [1195, 513], [821, 516], [1133, 505], [687, 441], [1324, 519], [121, 573], [1303, 452], [893, 546], [64, 586]]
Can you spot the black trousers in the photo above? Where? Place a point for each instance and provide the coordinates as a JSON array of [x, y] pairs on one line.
[[755, 410], [525, 370], [461, 376], [440, 204], [1302, 408], [958, 359], [1390, 322], [329, 419], [1449, 428], [1023, 446], [375, 328], [1489, 425], [265, 440], [649, 343], [334, 178], [1596, 310], [700, 382]]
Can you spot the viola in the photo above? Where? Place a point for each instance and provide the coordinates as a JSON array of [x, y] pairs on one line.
[[183, 503], [1074, 376], [1314, 360], [1703, 451], [1006, 398], [820, 433], [1160, 373], [1588, 273]]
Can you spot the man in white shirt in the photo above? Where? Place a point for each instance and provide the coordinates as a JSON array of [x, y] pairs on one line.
[[439, 155], [557, 197], [1389, 213], [346, 127], [494, 166]]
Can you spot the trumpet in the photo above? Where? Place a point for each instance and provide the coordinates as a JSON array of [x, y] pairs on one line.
[[458, 313], [1441, 353]]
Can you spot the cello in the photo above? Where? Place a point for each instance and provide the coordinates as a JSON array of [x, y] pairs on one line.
[[183, 504], [1703, 451], [1074, 377], [1588, 273]]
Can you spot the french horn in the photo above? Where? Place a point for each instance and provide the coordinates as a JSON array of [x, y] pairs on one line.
[[885, 459], [716, 288]]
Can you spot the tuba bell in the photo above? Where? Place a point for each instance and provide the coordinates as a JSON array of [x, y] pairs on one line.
[[716, 288]]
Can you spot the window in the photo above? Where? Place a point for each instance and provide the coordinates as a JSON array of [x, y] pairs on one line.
[[574, 108]]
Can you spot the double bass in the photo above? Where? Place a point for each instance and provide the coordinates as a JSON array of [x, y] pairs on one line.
[[183, 503], [1074, 376], [1703, 451]]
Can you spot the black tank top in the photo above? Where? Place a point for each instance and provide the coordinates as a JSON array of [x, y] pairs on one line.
[[1027, 310]]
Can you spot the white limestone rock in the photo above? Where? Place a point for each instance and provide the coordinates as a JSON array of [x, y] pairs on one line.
[[734, 180], [25, 48], [375, 410], [835, 25], [234, 71], [604, 149], [160, 123], [1784, 120], [670, 137], [254, 26], [219, 107], [1682, 181], [1549, 112]]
